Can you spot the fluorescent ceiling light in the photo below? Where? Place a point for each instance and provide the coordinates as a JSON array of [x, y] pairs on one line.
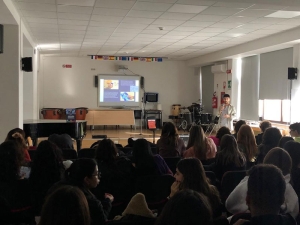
[[284, 14]]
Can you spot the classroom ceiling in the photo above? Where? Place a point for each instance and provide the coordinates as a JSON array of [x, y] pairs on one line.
[[176, 29]]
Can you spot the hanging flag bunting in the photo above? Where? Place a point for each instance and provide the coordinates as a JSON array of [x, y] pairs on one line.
[[126, 58]]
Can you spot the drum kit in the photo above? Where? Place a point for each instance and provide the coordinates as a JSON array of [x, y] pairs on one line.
[[185, 117]]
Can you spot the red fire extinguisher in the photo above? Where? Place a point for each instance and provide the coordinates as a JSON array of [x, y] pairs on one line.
[[214, 101]]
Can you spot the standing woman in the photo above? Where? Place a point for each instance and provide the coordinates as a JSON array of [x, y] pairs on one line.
[[199, 146], [229, 158], [169, 144], [190, 175], [247, 144]]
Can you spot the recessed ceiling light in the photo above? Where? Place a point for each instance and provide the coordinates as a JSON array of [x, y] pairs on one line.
[[284, 14]]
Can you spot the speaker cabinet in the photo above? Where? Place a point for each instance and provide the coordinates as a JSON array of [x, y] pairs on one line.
[[142, 81], [292, 73], [27, 64], [96, 81], [1, 38]]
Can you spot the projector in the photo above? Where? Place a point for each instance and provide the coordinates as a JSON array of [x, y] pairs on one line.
[[120, 67]]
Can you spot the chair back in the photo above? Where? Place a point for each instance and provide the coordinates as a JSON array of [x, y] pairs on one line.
[[69, 154], [229, 181], [212, 177], [87, 153], [172, 163]]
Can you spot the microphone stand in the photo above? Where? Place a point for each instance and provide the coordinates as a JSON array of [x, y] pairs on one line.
[[142, 116]]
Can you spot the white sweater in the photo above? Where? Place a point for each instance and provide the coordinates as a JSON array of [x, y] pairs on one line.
[[236, 201]]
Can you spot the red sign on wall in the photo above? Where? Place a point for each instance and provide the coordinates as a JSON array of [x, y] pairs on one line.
[[67, 66]]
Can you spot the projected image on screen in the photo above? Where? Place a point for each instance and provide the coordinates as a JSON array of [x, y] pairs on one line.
[[117, 90]]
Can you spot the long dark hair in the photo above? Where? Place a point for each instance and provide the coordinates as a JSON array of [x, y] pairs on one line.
[[106, 151], [80, 169], [221, 132], [230, 152], [66, 205], [11, 159], [197, 140], [246, 138], [170, 132], [47, 166]]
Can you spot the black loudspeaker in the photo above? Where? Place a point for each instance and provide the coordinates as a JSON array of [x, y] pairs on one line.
[[142, 82], [1, 38], [292, 73], [27, 64], [96, 81]]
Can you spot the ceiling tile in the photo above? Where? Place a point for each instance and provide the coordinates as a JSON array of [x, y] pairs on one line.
[[36, 6], [76, 2], [154, 36], [219, 38], [239, 19], [267, 6], [281, 27], [43, 30], [110, 12], [221, 11], [162, 22], [255, 13], [208, 18], [181, 33], [177, 16], [290, 21], [205, 34], [73, 16], [144, 14], [186, 8], [128, 30], [225, 25], [215, 30], [266, 20], [240, 31], [41, 14], [72, 32], [153, 27], [186, 28], [173, 37], [197, 24], [40, 20], [104, 24], [151, 6], [75, 9], [101, 18], [73, 22], [119, 4], [238, 5], [154, 31], [133, 25], [72, 27], [45, 25], [253, 26], [137, 20]]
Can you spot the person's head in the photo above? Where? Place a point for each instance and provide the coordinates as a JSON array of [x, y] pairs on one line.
[[11, 159], [63, 141], [295, 129], [130, 142], [266, 189], [222, 131], [226, 99], [109, 84], [293, 148], [17, 135], [246, 138], [186, 207], [197, 140], [191, 175], [106, 151], [264, 125], [284, 140], [238, 125], [271, 137], [47, 163], [141, 152], [84, 173], [169, 130], [66, 205], [280, 158]]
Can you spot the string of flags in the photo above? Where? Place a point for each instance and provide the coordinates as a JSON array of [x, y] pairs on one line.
[[126, 58]]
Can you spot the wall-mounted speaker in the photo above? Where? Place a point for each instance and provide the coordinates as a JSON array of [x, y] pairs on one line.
[[1, 38], [27, 64], [142, 81], [96, 81], [292, 73]]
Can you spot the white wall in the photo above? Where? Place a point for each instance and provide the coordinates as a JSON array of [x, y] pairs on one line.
[[63, 87]]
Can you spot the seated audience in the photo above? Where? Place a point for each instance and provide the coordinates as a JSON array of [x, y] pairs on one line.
[[190, 174], [237, 127], [186, 207], [116, 172], [199, 146], [15, 191], [145, 163], [246, 143], [236, 201], [266, 189], [83, 173], [263, 126], [284, 140], [66, 205], [295, 131], [63, 141], [46, 169], [293, 148], [270, 140], [220, 133], [18, 135], [169, 144], [229, 158]]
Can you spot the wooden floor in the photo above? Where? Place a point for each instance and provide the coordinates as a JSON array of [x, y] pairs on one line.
[[120, 135]]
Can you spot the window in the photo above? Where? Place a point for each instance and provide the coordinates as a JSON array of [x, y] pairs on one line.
[[275, 110]]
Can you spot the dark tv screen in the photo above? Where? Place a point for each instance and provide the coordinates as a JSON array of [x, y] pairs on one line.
[[151, 97], [1, 38]]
